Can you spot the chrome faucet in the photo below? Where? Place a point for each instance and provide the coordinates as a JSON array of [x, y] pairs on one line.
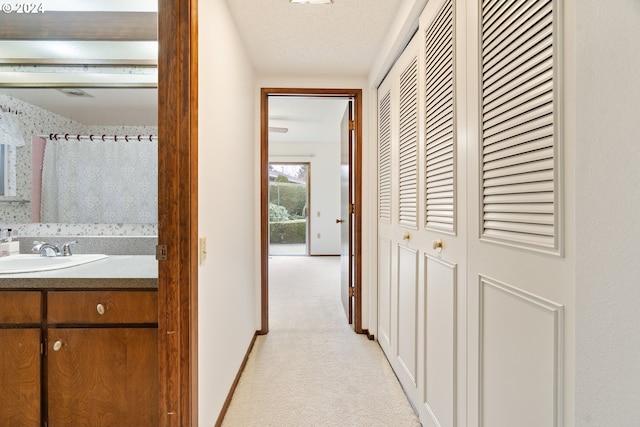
[[45, 249], [52, 250]]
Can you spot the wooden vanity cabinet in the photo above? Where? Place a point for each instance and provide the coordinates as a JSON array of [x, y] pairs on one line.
[[102, 359], [20, 358]]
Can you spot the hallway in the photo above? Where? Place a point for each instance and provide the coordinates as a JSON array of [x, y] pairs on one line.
[[311, 369]]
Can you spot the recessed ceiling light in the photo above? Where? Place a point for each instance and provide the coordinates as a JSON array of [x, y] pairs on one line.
[[311, 1], [278, 129]]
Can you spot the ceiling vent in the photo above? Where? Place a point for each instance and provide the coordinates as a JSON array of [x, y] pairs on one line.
[[75, 92]]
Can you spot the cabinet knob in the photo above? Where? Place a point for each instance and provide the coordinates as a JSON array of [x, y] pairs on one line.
[[57, 346], [100, 309], [438, 245]]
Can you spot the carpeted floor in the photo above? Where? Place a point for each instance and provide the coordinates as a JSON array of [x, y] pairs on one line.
[[312, 369]]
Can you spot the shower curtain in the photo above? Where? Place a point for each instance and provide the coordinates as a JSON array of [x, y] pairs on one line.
[[105, 182]]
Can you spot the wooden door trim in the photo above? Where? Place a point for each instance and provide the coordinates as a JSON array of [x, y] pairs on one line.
[[356, 94], [178, 211]]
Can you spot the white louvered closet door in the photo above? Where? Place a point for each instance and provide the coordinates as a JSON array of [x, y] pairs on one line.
[[518, 277], [443, 224], [399, 210]]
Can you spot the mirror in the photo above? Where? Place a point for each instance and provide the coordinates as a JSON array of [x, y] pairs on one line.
[[75, 74]]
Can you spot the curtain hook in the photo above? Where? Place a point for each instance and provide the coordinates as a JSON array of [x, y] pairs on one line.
[[139, 137], [78, 136], [91, 138], [66, 136], [103, 137], [126, 138]]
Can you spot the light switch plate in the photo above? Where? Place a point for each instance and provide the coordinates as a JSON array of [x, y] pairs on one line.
[[203, 249]]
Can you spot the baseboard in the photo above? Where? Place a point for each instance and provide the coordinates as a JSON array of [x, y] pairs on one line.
[[227, 402]]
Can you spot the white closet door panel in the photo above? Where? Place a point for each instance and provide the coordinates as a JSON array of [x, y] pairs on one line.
[[440, 351], [520, 357], [385, 294], [407, 314]]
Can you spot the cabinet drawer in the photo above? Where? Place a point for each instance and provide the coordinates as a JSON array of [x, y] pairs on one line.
[[87, 307], [20, 307]]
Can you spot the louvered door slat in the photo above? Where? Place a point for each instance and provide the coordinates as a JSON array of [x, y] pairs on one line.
[[539, 165], [384, 159], [522, 218], [408, 143], [537, 176], [519, 155], [439, 122]]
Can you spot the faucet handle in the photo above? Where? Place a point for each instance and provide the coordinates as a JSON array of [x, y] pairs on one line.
[[66, 248]]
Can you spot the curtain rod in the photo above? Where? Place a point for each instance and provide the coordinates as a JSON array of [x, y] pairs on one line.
[[9, 110], [70, 137]]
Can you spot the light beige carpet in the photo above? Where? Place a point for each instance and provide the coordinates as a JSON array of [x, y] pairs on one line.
[[312, 369]]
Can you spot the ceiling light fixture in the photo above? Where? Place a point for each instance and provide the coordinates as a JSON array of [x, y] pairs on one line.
[[278, 129], [311, 1]]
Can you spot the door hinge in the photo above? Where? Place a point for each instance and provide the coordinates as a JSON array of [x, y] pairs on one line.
[[161, 252], [352, 125], [352, 208], [352, 292]]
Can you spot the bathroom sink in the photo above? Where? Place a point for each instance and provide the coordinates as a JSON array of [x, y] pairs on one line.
[[29, 263]]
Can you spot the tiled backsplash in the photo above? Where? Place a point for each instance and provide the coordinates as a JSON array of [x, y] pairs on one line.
[[37, 121], [113, 245]]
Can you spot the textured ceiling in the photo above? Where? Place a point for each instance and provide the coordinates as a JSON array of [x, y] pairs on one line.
[[307, 119], [340, 38]]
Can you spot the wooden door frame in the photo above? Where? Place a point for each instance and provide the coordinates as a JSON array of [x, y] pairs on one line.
[[178, 212], [356, 94]]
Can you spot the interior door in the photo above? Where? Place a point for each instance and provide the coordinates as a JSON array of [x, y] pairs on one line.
[[346, 201]]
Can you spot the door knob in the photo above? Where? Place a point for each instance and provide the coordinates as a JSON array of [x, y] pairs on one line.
[[57, 346], [438, 245], [100, 309], [339, 221], [406, 236]]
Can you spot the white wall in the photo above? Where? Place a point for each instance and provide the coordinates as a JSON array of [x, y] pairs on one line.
[[608, 211], [324, 180], [227, 289]]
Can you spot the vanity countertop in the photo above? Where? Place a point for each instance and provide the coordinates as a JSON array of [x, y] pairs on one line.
[[116, 271]]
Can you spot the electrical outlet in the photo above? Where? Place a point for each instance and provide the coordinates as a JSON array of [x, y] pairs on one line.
[[203, 249]]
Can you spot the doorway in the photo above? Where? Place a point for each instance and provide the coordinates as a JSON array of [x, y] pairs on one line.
[[355, 177]]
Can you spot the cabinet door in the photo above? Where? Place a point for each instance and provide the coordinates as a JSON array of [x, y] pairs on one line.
[[102, 377], [20, 377]]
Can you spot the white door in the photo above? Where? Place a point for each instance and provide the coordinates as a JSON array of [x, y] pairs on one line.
[[398, 258], [443, 249], [473, 279], [519, 278]]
